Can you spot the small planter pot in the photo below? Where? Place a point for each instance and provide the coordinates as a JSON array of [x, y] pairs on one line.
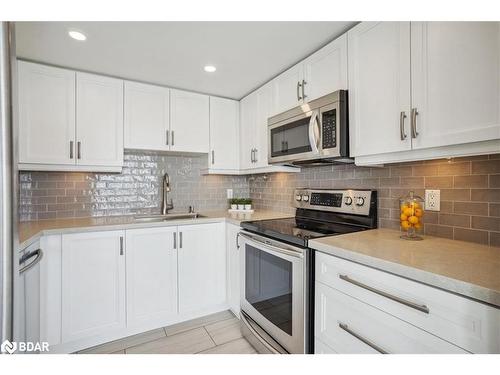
[[234, 207], [241, 207], [248, 206]]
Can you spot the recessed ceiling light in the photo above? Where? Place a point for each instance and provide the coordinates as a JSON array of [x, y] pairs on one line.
[[210, 68], [78, 35]]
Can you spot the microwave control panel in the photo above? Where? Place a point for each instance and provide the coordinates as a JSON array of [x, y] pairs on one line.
[[329, 129]]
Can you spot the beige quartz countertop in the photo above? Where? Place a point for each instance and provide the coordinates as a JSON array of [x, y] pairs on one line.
[[30, 231], [461, 267]]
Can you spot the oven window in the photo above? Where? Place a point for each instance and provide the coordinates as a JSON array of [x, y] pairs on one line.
[[268, 286], [290, 139]]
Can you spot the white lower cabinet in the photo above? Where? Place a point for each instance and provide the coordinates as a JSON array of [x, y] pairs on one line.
[[348, 325], [93, 284], [151, 276], [233, 268], [201, 267], [387, 310]]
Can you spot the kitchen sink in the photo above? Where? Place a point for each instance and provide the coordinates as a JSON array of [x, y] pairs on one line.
[[158, 218]]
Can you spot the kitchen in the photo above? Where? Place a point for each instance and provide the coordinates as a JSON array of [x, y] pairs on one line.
[[346, 202]]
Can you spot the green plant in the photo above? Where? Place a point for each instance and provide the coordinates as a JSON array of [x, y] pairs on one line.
[[234, 201], [247, 201]]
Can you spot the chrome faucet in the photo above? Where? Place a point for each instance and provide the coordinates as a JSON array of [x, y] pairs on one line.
[[165, 206]]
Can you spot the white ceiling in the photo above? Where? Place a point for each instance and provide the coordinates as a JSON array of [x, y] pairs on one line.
[[246, 54]]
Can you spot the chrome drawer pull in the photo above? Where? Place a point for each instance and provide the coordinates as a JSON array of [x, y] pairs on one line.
[[346, 328], [414, 132], [413, 305], [402, 133]]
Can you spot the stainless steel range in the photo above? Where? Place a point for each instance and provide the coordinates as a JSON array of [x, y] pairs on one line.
[[277, 267]]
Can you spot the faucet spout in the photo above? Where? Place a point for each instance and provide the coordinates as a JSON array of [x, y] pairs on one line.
[[166, 206]]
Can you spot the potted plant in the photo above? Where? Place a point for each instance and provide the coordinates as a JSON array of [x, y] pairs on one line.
[[248, 204], [234, 203], [241, 204]]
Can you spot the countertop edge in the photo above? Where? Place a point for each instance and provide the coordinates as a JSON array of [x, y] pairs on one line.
[[459, 287]]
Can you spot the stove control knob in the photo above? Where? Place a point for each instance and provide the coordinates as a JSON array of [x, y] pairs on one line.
[[298, 198], [348, 201], [305, 198], [360, 201]]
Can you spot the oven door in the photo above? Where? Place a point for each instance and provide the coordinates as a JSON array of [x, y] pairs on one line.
[[273, 291], [296, 138]]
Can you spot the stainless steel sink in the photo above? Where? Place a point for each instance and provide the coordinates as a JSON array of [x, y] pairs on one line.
[[157, 218]]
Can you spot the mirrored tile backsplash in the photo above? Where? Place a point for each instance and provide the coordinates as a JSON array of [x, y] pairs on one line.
[[136, 190]]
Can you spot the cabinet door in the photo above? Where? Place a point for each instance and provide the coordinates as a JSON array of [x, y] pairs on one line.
[[151, 277], [202, 267], [99, 120], [189, 121], [93, 284], [264, 107], [326, 70], [46, 114], [286, 91], [233, 268], [147, 116], [379, 87], [455, 82], [248, 116], [224, 134]]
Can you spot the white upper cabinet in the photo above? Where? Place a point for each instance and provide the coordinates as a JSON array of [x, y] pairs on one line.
[[189, 122], [379, 87], [287, 89], [264, 108], [99, 120], [202, 267], [93, 284], [455, 82], [248, 117], [321, 73], [46, 114], [224, 135], [147, 116], [151, 277], [325, 71]]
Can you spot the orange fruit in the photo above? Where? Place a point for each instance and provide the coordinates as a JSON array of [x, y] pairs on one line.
[[408, 212], [418, 226], [403, 217], [415, 204], [413, 219], [405, 225], [418, 212], [404, 207]]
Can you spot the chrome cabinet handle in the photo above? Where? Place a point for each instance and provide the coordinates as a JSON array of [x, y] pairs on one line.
[[298, 91], [237, 240], [252, 155], [303, 90], [175, 240], [255, 155], [79, 150], [172, 137], [180, 240], [39, 255], [167, 137], [71, 144], [402, 133], [414, 114], [346, 328], [121, 245], [213, 156], [405, 302]]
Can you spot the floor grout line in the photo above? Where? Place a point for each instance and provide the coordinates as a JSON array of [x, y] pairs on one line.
[[209, 335]]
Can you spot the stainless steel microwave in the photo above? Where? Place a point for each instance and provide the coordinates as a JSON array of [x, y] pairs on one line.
[[313, 133]]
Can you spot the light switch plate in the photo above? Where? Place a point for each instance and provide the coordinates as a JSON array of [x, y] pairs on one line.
[[229, 193], [433, 200]]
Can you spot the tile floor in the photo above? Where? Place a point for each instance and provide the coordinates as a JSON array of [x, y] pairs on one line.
[[213, 334]]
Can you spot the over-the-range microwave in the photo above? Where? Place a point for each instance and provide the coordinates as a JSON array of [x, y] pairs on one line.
[[313, 133]]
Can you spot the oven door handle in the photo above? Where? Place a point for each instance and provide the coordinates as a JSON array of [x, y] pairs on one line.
[[314, 132], [269, 246]]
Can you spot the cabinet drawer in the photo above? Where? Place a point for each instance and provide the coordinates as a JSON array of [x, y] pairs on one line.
[[348, 325], [471, 325]]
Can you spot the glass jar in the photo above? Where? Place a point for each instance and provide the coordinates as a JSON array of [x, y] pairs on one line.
[[411, 216]]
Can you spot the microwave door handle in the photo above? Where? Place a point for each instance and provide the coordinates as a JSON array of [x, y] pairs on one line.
[[314, 132]]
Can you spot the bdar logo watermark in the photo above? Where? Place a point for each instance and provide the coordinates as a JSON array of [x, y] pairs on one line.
[[10, 347]]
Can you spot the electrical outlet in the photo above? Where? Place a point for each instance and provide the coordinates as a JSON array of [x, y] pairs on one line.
[[433, 200], [229, 193]]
